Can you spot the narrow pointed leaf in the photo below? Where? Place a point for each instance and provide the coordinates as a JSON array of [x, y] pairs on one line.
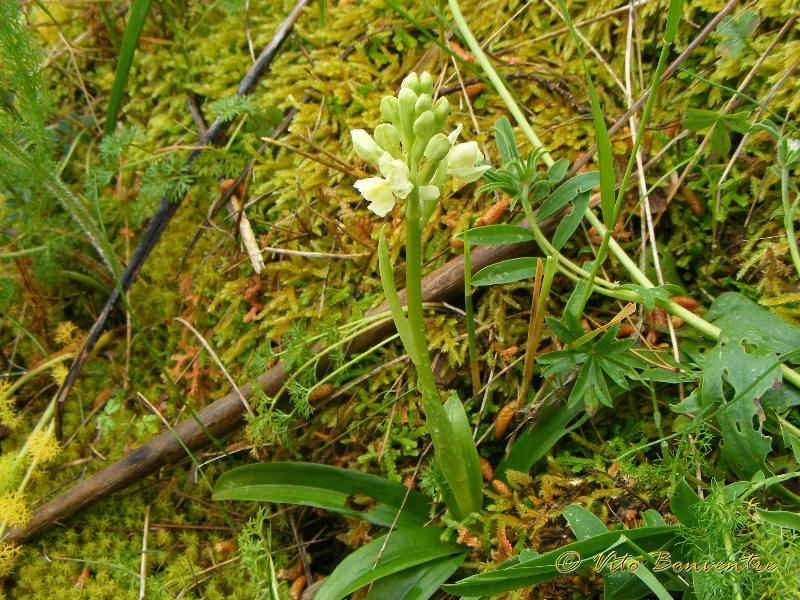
[[506, 145], [507, 271], [130, 39], [496, 235], [325, 487], [567, 192], [543, 567], [570, 223]]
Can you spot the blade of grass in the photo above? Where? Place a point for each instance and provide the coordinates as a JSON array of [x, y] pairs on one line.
[[130, 39], [605, 156]]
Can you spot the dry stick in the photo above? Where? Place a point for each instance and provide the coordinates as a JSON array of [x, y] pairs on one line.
[[225, 415], [165, 211], [668, 72]]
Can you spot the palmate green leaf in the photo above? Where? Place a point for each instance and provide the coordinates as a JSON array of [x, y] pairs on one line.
[[698, 119], [405, 549], [325, 487], [506, 271], [416, 583], [496, 235], [734, 32], [744, 446], [567, 192], [521, 574]]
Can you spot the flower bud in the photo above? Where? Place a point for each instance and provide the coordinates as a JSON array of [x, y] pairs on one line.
[[437, 147], [387, 137], [365, 146], [426, 83], [411, 82], [406, 100], [440, 111], [390, 109], [423, 126], [424, 102]]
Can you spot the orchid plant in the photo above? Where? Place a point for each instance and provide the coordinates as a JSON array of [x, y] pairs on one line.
[[415, 160]]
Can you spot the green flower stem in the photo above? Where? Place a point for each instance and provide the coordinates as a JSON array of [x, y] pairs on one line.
[[443, 436], [470, 317], [788, 218]]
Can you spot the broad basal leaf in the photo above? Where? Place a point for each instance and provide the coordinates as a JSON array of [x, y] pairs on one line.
[[416, 583], [367, 497], [405, 549]]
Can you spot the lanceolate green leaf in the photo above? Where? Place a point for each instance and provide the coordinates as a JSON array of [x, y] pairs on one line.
[[583, 523], [138, 14], [405, 549], [780, 518], [504, 136], [567, 192], [325, 487], [507, 271], [465, 446], [416, 583], [496, 235], [570, 223]]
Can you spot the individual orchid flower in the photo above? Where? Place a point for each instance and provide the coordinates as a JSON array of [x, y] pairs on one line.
[[396, 173], [461, 162], [379, 194]]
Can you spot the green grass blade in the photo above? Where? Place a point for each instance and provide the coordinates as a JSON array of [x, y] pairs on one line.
[[130, 40], [404, 549], [605, 156], [325, 487]]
